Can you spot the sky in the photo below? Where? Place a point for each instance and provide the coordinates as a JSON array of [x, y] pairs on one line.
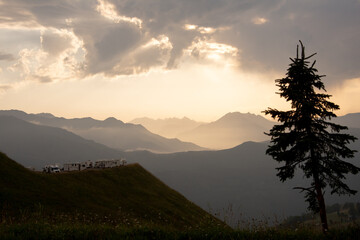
[[171, 58]]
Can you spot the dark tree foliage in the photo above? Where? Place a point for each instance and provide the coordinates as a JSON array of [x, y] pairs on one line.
[[306, 139]]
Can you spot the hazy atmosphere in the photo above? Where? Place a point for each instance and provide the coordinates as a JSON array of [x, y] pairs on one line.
[[167, 58], [179, 119]]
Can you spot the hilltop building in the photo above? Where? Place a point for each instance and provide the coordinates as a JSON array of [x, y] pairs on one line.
[[106, 163], [78, 166], [51, 169]]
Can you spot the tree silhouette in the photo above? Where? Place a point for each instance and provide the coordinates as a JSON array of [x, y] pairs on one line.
[[306, 139]]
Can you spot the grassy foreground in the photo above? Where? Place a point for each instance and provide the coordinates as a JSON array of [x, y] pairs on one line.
[[119, 203], [90, 231]]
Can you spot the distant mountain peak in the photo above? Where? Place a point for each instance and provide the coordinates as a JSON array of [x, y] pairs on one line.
[[351, 120], [234, 116], [230, 130], [13, 112], [240, 114], [351, 114], [45, 115], [113, 121]]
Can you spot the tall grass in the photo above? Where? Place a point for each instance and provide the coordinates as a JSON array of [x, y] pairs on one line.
[[97, 231], [40, 224]]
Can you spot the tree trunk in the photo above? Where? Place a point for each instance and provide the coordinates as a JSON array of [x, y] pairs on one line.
[[319, 193], [321, 201]]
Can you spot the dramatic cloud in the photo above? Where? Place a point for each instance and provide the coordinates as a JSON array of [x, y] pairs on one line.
[[125, 37]]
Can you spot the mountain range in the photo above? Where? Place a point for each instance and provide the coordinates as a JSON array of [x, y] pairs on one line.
[[110, 132], [243, 177], [228, 131]]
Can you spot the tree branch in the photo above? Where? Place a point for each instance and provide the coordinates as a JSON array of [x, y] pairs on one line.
[[309, 189]]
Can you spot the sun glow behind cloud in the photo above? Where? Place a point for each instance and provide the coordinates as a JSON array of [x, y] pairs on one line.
[[202, 30], [108, 10], [57, 56], [259, 20], [205, 50]]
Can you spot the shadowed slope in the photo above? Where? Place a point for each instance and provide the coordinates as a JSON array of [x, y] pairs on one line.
[[243, 177], [125, 194]]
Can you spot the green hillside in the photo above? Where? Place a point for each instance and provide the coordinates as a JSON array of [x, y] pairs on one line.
[[123, 196]]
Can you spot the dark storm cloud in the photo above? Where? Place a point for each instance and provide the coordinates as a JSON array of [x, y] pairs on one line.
[[265, 31]]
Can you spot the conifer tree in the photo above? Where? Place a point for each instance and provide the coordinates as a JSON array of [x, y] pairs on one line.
[[306, 139]]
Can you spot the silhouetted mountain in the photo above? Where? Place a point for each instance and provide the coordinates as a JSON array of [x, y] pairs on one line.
[[229, 131], [351, 120], [168, 127], [34, 145], [243, 177], [110, 132]]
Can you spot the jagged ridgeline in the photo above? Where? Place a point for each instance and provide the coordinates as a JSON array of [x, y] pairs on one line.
[[127, 195]]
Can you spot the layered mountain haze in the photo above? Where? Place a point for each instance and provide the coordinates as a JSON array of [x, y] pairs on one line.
[[243, 176], [168, 127], [229, 131], [135, 137], [34, 145], [110, 132]]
